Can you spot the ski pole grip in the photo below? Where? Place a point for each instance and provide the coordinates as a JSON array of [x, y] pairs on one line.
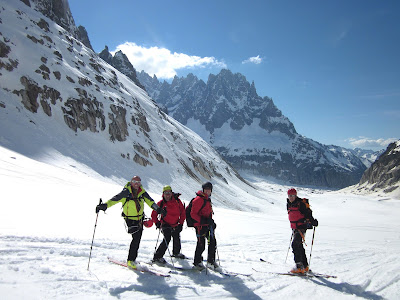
[[101, 201]]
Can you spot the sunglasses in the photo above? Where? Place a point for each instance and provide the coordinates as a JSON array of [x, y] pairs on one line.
[[136, 181], [167, 193]]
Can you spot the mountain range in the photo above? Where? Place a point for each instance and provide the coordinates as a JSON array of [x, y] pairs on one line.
[[247, 130], [59, 98], [251, 133]]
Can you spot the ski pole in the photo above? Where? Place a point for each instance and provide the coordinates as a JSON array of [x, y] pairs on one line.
[[95, 225], [289, 246], [155, 248], [312, 243], [212, 232]]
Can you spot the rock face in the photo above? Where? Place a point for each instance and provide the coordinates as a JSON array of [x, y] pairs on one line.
[[59, 12], [250, 132], [384, 173], [121, 62], [56, 93]]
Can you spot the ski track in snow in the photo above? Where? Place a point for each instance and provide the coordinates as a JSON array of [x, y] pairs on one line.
[[57, 268]]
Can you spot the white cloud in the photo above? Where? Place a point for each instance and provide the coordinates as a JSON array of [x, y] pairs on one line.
[[253, 60], [364, 142], [162, 62]]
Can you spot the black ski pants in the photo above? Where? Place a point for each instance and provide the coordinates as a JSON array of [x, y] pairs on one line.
[[297, 246], [169, 232], [136, 229], [203, 233]]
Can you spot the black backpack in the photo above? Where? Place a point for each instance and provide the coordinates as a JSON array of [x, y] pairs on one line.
[[189, 220]]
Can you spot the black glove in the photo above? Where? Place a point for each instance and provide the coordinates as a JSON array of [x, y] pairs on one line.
[[102, 206], [158, 225], [315, 222], [178, 228], [208, 221], [162, 211]]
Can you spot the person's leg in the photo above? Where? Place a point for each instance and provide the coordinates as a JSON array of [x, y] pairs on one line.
[[135, 228], [201, 245], [164, 243], [298, 249], [176, 240]]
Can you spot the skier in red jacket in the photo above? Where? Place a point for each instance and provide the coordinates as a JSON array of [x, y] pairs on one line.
[[301, 219], [170, 224], [205, 226]]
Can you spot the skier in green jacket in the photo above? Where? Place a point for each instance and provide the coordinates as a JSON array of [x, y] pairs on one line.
[[132, 198]]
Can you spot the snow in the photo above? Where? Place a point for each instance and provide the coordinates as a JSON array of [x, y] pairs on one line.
[[52, 178], [240, 141], [47, 221]]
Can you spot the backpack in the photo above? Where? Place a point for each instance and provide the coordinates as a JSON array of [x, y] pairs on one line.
[[305, 201], [189, 220]]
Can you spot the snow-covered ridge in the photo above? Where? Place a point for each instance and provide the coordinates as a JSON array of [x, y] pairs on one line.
[[383, 176]]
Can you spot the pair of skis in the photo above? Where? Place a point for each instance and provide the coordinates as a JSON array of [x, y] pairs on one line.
[[148, 268], [142, 267], [308, 274], [221, 271]]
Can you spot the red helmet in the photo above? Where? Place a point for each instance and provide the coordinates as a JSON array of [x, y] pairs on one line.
[[148, 223], [292, 191]]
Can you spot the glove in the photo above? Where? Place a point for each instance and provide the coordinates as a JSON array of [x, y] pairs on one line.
[[102, 206], [162, 211], [178, 228], [315, 223], [158, 225], [208, 221]]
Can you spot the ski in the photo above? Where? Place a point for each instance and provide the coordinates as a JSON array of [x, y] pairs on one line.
[[236, 273], [141, 268], [228, 273], [309, 274], [263, 260], [220, 272], [170, 266]]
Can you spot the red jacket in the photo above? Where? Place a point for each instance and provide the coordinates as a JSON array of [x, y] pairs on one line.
[[298, 213], [197, 212], [175, 212]]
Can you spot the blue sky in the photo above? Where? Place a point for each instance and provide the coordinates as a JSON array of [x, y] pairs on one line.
[[331, 67]]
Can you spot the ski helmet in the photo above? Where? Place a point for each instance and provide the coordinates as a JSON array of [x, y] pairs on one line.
[[166, 188], [292, 191], [208, 185], [148, 223]]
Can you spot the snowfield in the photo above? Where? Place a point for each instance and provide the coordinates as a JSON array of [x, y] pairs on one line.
[[47, 221]]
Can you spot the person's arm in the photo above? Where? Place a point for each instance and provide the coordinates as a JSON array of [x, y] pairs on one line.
[[150, 202], [182, 216]]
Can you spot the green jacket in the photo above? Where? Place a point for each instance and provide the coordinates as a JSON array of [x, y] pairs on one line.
[[132, 206]]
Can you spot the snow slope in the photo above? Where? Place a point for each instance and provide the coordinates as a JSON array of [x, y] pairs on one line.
[[47, 221], [154, 145]]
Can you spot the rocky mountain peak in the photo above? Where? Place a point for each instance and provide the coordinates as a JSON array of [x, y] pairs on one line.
[[384, 173], [250, 132], [121, 62], [59, 12], [106, 55]]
